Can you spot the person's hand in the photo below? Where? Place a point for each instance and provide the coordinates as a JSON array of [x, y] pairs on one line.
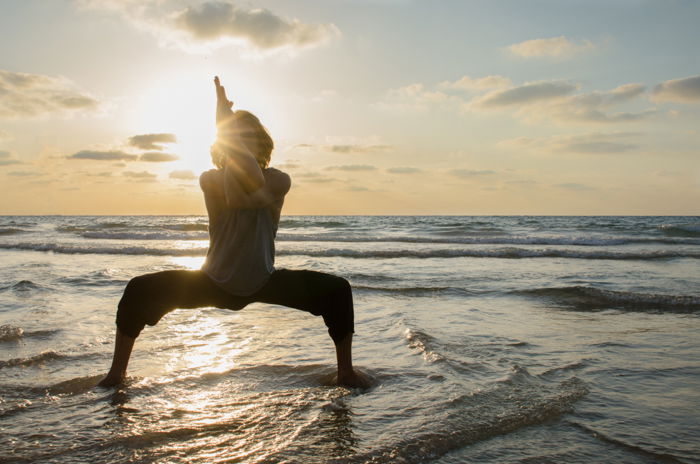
[[221, 94]]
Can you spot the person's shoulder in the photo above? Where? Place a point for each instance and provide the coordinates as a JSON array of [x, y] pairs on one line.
[[208, 178], [277, 174], [281, 180]]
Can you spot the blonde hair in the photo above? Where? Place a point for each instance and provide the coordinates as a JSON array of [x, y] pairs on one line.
[[242, 128]]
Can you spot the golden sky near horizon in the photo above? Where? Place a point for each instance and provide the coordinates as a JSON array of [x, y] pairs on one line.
[[375, 106]]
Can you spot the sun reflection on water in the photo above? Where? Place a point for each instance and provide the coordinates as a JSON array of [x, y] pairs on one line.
[[191, 263]]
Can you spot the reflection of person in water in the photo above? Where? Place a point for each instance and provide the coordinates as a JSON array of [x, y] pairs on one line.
[[244, 199]]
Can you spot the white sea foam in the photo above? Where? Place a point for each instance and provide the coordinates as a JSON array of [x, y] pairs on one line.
[[502, 252]]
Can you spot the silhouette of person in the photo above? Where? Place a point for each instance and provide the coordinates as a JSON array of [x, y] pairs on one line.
[[244, 199]]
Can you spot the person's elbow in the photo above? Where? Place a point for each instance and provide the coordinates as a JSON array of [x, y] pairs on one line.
[[255, 180]]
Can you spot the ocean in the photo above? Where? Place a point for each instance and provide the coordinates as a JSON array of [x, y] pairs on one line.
[[492, 339]]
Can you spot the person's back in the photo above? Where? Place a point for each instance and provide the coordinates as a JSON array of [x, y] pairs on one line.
[[241, 255]]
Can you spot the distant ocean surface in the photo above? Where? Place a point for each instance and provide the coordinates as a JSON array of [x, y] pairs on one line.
[[508, 339]]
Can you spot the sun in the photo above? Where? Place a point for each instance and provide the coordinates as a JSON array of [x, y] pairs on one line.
[[182, 105]]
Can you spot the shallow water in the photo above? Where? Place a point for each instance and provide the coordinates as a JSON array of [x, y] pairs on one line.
[[491, 339]]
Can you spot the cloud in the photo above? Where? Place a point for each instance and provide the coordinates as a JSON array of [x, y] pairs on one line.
[[151, 141], [158, 157], [482, 83], [346, 148], [470, 173], [533, 102], [143, 175], [288, 165], [529, 93], [413, 97], [591, 143], [574, 186], [182, 175], [314, 177], [620, 94], [4, 135], [403, 170], [554, 47], [358, 148], [308, 174], [7, 158], [23, 173], [209, 25], [32, 95], [103, 155], [555, 100], [684, 90], [593, 107], [352, 167]]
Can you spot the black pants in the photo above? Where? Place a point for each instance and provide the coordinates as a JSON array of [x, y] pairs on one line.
[[149, 297]]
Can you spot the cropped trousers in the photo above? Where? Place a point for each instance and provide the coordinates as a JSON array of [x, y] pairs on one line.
[[147, 298]]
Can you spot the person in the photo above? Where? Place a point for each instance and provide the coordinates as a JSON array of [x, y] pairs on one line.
[[243, 198]]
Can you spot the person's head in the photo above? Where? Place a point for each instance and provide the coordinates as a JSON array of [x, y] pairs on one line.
[[242, 131]]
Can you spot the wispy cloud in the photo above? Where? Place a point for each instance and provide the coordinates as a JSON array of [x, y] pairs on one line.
[[468, 83], [574, 186], [529, 93], [556, 101], [554, 47], [182, 175], [142, 175], [684, 90], [590, 143], [470, 173], [595, 106], [27, 95], [533, 102], [7, 158], [151, 141], [314, 177], [205, 26], [23, 173], [346, 148], [403, 170], [413, 97], [157, 157], [352, 167], [103, 155]]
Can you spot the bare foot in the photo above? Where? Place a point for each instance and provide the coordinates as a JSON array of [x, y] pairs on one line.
[[110, 381], [355, 379]]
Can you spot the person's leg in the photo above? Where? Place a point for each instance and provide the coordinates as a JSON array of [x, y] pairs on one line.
[[122, 352], [149, 297], [322, 295]]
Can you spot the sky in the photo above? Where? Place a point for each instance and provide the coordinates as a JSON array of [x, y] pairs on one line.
[[376, 106]]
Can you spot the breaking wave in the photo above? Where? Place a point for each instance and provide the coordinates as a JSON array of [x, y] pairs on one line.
[[592, 298], [681, 230], [502, 252], [10, 231]]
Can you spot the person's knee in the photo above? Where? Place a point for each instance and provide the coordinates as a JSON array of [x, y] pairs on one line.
[[342, 287], [129, 319]]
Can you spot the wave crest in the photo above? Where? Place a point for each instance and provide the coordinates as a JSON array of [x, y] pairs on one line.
[[592, 298], [681, 230], [10, 333]]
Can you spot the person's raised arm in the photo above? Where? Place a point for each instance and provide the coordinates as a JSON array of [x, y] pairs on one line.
[[224, 107]]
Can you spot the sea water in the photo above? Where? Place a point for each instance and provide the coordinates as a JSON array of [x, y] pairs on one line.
[[490, 339]]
